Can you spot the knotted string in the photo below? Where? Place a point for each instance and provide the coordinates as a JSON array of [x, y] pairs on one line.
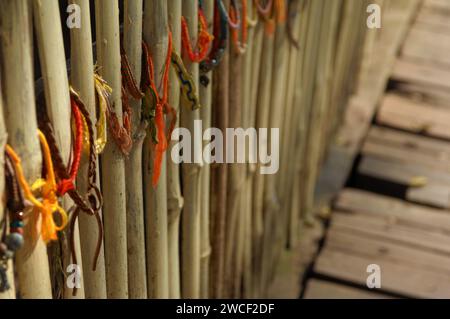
[[203, 42], [121, 133], [292, 14], [280, 10], [240, 46], [264, 11], [67, 184], [220, 40], [91, 202], [161, 106], [49, 204], [188, 88], [251, 22]]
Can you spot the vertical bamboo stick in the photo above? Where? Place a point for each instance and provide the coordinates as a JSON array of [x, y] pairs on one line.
[[249, 114], [190, 236], [347, 31], [271, 194], [298, 170], [235, 175], [82, 74], [309, 74], [113, 162], [288, 126], [218, 194], [174, 197], [236, 198], [156, 35], [262, 121], [256, 207], [238, 254], [20, 118], [56, 88], [205, 93], [137, 274], [297, 137], [11, 292], [321, 99]]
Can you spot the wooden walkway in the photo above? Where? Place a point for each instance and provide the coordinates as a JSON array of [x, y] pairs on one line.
[[395, 211]]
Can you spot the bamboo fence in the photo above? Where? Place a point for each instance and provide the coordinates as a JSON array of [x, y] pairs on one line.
[[170, 228]]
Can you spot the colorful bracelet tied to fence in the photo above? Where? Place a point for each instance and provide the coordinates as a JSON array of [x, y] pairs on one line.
[[129, 87], [101, 124], [203, 42], [155, 106], [219, 44], [68, 183], [252, 22], [292, 14], [240, 46], [121, 132], [92, 202], [189, 94], [14, 240], [130, 84], [48, 206]]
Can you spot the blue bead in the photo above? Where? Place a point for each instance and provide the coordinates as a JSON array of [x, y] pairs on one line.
[[16, 224], [14, 241]]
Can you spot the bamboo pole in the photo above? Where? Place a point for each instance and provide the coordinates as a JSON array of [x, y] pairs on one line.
[[20, 117], [351, 9], [218, 194], [321, 99], [298, 170], [256, 207], [190, 236], [174, 197], [82, 74], [235, 174], [262, 121], [271, 194], [284, 179], [11, 292], [205, 93], [113, 162], [309, 73], [156, 36], [56, 88], [298, 133], [137, 273], [249, 109]]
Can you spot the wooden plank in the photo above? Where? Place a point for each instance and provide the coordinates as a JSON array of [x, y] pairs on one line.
[[404, 113], [419, 162], [401, 278], [431, 194], [366, 203], [320, 289], [408, 174], [394, 230], [441, 5], [421, 73], [427, 46], [411, 261], [434, 16], [438, 29], [407, 148], [415, 143], [355, 244], [425, 93]]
